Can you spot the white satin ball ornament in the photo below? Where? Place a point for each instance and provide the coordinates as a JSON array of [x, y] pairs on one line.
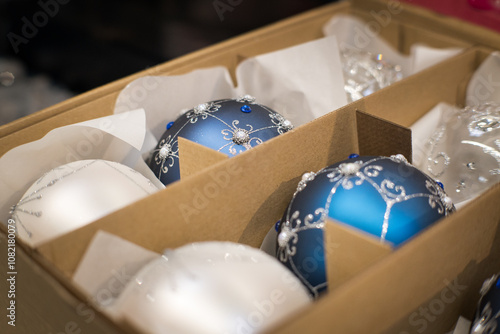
[[211, 287], [73, 195]]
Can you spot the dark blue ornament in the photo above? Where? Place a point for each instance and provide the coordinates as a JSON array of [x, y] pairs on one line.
[[228, 126], [384, 196], [488, 310]]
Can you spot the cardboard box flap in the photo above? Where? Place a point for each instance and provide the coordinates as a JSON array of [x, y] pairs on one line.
[[194, 157], [348, 252], [424, 89], [379, 137], [43, 305], [197, 208]]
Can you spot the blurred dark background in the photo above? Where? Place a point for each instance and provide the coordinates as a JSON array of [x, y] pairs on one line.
[[53, 49]]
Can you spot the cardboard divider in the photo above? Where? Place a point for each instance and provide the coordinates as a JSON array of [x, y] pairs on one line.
[[349, 251], [194, 157], [450, 255], [439, 273], [381, 137], [42, 306], [235, 200], [412, 97]]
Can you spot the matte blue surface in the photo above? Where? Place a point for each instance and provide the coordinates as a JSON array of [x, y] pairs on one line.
[[214, 129], [362, 207]]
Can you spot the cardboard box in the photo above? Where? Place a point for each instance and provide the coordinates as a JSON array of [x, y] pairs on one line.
[[439, 271]]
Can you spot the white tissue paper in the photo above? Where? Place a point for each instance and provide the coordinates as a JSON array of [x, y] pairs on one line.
[[301, 83], [353, 34], [108, 265], [117, 138]]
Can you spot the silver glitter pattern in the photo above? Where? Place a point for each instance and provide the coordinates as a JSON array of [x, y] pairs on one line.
[[66, 172], [348, 175], [239, 137], [365, 73]]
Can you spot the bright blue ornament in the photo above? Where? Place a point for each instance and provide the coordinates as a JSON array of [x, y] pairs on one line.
[[488, 310], [228, 126], [384, 196]]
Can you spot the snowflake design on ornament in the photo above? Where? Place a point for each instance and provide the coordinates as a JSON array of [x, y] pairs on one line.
[[283, 125], [351, 174], [164, 155], [246, 99], [444, 202], [17, 209], [348, 175], [290, 234], [437, 159], [306, 177], [239, 136], [289, 237], [202, 111]]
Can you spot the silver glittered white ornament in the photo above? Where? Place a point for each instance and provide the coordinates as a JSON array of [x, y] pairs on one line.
[[464, 151], [211, 287], [73, 195], [365, 73]]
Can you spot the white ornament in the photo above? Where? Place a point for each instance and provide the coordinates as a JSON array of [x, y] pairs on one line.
[[73, 195], [211, 287], [464, 151], [365, 73]]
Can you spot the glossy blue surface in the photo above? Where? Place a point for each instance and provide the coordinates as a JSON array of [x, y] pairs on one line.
[[228, 126], [383, 196]]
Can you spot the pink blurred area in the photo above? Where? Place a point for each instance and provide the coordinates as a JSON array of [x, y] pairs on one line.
[[485, 13]]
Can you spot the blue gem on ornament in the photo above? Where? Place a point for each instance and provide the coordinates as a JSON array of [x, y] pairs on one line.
[[488, 308], [440, 184], [228, 126], [277, 225], [368, 194], [246, 109], [353, 156]]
